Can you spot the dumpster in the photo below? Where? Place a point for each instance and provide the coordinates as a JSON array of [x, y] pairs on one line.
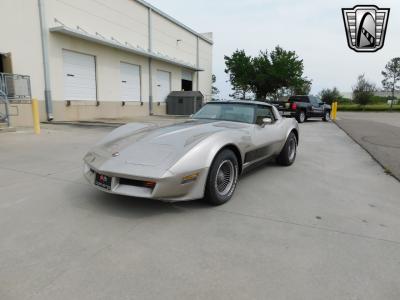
[[184, 103]]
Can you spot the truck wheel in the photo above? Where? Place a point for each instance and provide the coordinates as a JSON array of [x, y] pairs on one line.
[[301, 116], [289, 151], [327, 116], [222, 178]]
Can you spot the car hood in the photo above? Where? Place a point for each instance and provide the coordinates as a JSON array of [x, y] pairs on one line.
[[155, 146]]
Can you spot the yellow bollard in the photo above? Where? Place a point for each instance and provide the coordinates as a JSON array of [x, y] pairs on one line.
[[334, 110], [35, 113]]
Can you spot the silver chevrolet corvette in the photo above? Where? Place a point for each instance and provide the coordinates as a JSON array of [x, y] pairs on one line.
[[201, 158]]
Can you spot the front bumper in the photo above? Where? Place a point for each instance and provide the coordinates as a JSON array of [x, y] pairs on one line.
[[169, 188]]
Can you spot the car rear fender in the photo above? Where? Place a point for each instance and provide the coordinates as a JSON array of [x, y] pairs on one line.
[[293, 127]]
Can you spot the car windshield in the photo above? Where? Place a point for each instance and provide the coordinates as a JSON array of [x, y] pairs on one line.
[[234, 112]]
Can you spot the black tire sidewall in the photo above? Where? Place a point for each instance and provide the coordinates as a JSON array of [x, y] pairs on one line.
[[283, 157], [326, 116], [211, 195]]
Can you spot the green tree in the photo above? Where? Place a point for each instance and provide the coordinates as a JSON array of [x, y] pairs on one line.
[[266, 74], [240, 69], [363, 91], [261, 84], [214, 89], [391, 77], [287, 70], [330, 95], [301, 87]]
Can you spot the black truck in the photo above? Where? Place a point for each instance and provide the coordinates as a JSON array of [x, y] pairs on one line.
[[304, 107]]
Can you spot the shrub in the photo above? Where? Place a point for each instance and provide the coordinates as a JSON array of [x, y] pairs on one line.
[[363, 91]]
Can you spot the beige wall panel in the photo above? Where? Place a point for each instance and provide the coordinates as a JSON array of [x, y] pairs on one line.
[[165, 40], [124, 20], [20, 35], [107, 67]]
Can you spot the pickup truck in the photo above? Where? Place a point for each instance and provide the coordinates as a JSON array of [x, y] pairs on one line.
[[304, 107]]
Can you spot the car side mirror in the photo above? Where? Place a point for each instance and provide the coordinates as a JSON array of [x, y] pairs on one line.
[[267, 121]]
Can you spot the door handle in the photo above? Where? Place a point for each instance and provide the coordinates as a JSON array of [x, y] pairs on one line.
[[70, 75]]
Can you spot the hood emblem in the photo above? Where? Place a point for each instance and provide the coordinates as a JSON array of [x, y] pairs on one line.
[[116, 154]]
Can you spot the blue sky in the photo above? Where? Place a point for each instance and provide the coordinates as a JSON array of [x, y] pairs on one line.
[[314, 29]]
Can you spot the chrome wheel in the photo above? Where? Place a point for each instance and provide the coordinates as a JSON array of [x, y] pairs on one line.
[[222, 178], [225, 178], [289, 151], [292, 149]]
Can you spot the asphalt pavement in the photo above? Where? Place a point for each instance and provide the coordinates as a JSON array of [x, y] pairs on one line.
[[378, 134], [327, 227]]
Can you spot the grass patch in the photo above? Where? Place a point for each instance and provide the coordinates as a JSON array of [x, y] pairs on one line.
[[368, 107], [387, 171]]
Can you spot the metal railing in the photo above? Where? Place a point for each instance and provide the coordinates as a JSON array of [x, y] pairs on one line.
[[15, 88], [4, 106]]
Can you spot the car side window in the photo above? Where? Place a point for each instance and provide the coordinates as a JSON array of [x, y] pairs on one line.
[[314, 101], [264, 112]]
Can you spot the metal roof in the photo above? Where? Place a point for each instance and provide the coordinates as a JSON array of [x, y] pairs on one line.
[[173, 20], [124, 47]]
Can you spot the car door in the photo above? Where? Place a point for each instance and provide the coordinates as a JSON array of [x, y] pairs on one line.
[[321, 106], [267, 138], [316, 108]]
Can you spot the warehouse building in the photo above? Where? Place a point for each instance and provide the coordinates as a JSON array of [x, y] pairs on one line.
[[91, 59]]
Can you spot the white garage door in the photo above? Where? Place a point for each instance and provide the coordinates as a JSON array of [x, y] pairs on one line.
[[79, 76], [130, 82], [163, 85]]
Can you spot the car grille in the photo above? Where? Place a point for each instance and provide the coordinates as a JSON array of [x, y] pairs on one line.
[[138, 183]]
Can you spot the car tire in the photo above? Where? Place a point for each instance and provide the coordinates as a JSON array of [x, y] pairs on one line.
[[301, 116], [289, 151], [222, 178], [327, 116]]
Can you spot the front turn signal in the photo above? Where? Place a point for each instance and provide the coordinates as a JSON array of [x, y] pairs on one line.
[[190, 178]]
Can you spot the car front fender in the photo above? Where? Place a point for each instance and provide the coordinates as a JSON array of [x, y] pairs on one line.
[[202, 155]]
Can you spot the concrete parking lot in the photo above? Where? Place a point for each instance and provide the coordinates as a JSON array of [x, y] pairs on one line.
[[326, 228]]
